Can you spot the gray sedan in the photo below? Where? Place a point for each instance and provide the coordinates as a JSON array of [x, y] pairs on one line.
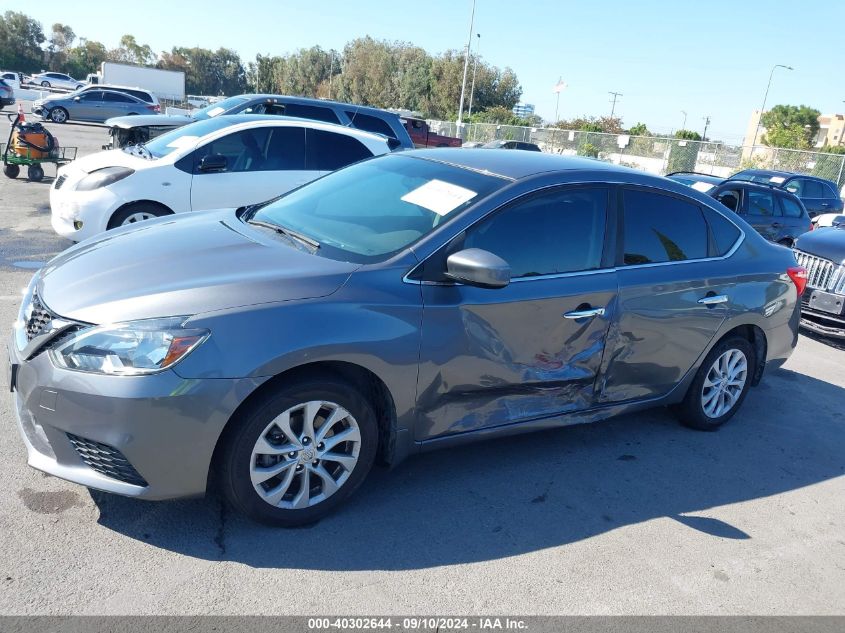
[[405, 303], [91, 105]]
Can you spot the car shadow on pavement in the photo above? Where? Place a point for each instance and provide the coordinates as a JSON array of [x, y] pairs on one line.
[[527, 493]]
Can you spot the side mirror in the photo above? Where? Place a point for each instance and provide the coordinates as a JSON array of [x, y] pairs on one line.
[[77, 98], [477, 267], [213, 163]]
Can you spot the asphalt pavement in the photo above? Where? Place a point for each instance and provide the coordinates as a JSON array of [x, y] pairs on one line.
[[635, 515]]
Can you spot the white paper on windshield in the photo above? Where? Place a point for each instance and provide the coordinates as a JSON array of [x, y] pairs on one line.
[[703, 187], [439, 196], [215, 111], [777, 179], [183, 141]]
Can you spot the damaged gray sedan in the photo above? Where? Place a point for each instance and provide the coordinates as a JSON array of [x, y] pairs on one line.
[[405, 303]]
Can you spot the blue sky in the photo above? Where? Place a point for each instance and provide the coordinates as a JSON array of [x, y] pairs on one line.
[[708, 57]]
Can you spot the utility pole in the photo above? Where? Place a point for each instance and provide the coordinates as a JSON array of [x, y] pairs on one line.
[[706, 125], [684, 126], [559, 87], [613, 107], [466, 68], [474, 70], [331, 73]]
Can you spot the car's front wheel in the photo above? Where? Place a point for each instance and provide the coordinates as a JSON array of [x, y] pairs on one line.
[[45, 84], [297, 454], [719, 387], [137, 212], [58, 115]]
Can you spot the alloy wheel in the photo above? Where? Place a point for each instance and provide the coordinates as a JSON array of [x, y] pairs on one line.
[[305, 455], [724, 383], [139, 216]]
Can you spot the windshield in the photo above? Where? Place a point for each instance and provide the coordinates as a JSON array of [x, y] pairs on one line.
[[373, 209], [184, 136], [214, 109]]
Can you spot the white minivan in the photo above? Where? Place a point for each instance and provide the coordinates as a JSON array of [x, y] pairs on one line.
[[220, 163]]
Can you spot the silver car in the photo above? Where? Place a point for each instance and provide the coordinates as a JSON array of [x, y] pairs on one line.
[[56, 80], [407, 302], [94, 105]]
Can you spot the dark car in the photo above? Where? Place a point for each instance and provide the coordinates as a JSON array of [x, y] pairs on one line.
[[775, 213], [818, 194], [361, 117], [822, 253], [698, 181], [500, 144], [408, 302], [7, 94]]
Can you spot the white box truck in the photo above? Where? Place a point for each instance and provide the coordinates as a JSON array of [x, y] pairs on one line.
[[165, 84]]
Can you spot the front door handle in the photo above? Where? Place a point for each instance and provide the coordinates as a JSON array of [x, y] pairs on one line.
[[586, 313], [713, 300]]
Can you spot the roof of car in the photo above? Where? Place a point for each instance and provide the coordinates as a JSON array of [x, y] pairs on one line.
[[786, 175], [516, 165], [694, 175], [243, 119], [323, 102]]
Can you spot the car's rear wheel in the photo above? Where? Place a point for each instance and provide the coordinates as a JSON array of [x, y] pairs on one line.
[[295, 456], [719, 387], [58, 115], [137, 212]]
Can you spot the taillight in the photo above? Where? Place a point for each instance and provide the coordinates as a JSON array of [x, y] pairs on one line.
[[798, 275], [154, 108]]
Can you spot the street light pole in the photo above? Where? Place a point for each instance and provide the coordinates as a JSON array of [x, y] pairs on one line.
[[466, 68], [684, 126], [706, 125], [474, 70], [765, 97]]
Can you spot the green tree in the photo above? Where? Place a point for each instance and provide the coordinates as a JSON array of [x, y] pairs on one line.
[[789, 126], [639, 129], [207, 72], [20, 43], [85, 58], [131, 52]]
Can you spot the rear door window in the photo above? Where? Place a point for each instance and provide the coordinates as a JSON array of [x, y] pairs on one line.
[[370, 123], [791, 209], [762, 203], [813, 189], [315, 113], [661, 228], [327, 151]]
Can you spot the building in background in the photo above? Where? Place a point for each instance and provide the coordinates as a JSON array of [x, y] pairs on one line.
[[523, 110], [831, 130]]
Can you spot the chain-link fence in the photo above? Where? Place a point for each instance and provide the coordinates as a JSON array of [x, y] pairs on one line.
[[656, 154]]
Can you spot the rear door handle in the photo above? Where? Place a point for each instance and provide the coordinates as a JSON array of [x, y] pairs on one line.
[[713, 300], [584, 314]]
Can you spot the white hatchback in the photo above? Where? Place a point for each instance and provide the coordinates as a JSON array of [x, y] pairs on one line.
[[220, 163]]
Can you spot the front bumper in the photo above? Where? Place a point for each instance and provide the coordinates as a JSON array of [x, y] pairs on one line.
[[165, 426], [819, 322], [78, 215]]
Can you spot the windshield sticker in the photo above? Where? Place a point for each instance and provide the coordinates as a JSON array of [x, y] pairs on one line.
[[777, 179], [183, 141], [703, 187], [439, 196], [215, 111]]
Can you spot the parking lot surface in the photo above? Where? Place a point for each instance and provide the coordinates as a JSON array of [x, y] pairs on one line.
[[635, 515]]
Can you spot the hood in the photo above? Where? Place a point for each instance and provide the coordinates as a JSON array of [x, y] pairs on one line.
[[826, 242], [183, 265], [144, 120], [111, 158]]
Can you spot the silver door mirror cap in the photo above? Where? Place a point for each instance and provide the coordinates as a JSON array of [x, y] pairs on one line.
[[477, 267]]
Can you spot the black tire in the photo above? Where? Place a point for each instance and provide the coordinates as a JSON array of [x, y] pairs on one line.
[[79, 87], [35, 173], [45, 84], [58, 115], [123, 214], [691, 411], [11, 171], [233, 474]]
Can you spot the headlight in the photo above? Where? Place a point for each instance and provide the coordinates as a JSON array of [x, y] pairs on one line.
[[129, 349], [103, 177]]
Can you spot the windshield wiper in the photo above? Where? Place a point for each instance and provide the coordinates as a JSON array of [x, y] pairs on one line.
[[299, 237]]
